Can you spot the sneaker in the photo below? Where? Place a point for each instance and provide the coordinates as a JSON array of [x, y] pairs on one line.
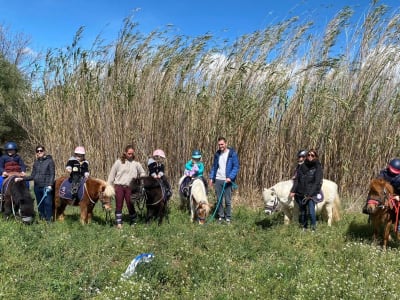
[[219, 220], [228, 221]]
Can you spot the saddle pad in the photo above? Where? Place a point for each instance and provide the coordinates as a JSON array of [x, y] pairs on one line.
[[65, 189]]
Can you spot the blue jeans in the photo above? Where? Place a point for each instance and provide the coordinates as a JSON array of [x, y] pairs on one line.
[[303, 217], [45, 205], [227, 213]]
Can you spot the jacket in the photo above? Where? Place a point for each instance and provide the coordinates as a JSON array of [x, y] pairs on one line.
[[43, 172], [393, 179], [308, 181], [232, 165], [16, 159]]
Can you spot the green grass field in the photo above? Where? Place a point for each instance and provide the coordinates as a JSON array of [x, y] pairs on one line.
[[256, 257]]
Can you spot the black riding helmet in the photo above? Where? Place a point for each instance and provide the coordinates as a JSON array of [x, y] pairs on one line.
[[302, 153]]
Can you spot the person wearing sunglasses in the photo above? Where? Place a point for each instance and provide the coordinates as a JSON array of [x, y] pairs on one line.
[[43, 176], [124, 169], [306, 187]]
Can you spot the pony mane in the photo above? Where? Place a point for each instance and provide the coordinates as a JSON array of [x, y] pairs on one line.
[[377, 185], [108, 190]]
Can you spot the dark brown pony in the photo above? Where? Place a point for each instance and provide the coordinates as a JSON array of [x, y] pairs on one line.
[[94, 189], [154, 194], [383, 207], [17, 200]]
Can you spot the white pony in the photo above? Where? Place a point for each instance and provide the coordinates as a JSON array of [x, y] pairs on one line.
[[198, 201], [278, 196]]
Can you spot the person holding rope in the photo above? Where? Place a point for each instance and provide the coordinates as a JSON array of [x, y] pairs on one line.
[[122, 172], [223, 173], [307, 185], [43, 175]]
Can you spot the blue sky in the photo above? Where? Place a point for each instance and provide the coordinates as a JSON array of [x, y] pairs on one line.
[[53, 23]]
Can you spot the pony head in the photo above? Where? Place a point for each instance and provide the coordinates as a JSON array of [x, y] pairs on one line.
[[202, 211], [380, 192], [270, 201], [108, 193]]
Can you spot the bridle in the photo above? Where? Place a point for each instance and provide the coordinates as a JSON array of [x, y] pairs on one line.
[[103, 203], [270, 208], [380, 202]]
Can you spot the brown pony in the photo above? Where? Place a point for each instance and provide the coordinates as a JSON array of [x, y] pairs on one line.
[[93, 190], [383, 207]]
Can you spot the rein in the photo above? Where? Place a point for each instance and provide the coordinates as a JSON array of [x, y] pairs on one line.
[[101, 197]]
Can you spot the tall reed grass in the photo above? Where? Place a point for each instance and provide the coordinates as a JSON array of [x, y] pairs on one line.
[[270, 93]]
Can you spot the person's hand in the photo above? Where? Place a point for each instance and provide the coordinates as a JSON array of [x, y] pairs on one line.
[[291, 195], [5, 174], [18, 179], [86, 174], [211, 182], [22, 173], [49, 188], [228, 180]]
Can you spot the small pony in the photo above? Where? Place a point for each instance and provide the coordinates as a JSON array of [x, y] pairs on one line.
[[198, 201], [383, 207], [92, 190], [17, 200], [277, 196], [154, 194]]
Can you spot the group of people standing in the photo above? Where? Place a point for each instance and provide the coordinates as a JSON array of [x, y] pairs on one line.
[[223, 173]]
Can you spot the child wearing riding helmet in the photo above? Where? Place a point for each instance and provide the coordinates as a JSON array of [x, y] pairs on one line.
[[156, 168], [11, 162], [301, 156], [194, 167], [392, 175], [78, 167]]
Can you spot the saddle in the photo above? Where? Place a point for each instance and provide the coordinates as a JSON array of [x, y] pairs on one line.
[[186, 186], [68, 189]]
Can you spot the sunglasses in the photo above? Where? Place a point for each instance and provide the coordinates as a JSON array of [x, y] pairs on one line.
[[39, 150], [311, 154]]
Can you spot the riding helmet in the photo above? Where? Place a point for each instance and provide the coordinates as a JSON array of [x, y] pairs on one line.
[[80, 150], [159, 152], [10, 146], [196, 154], [302, 153], [394, 166]]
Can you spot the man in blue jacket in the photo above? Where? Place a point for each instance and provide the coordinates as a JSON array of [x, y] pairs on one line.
[[223, 174]]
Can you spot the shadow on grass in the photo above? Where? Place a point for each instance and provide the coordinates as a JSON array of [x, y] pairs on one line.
[[270, 220], [364, 231]]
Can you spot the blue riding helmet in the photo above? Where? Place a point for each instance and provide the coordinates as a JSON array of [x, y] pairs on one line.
[[196, 154], [10, 146]]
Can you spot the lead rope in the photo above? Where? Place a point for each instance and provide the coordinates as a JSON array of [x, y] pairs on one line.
[[234, 186]]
